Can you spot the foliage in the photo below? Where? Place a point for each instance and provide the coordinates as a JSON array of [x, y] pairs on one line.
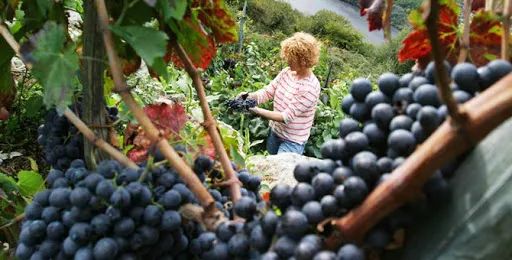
[[485, 36], [336, 30], [274, 16], [15, 194]]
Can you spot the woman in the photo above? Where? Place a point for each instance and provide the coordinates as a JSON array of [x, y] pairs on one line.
[[295, 92]]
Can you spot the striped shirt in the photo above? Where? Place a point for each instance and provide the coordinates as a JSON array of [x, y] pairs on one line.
[[296, 99]]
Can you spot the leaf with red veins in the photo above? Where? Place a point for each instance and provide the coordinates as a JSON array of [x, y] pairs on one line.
[[416, 44], [485, 37], [214, 15], [167, 117], [199, 46]]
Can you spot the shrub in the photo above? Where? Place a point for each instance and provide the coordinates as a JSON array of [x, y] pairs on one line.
[[272, 16], [335, 29]]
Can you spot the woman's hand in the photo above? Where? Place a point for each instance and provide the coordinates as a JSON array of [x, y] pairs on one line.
[[244, 95]]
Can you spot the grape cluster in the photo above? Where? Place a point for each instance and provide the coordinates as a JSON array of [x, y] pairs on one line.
[[242, 104], [61, 140]]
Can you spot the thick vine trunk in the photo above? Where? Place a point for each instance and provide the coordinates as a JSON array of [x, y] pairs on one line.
[[93, 107]]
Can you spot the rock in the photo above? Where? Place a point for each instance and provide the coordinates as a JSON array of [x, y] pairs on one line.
[[274, 169]]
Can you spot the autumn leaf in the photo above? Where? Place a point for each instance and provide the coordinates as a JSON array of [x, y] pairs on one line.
[[199, 46], [477, 5], [214, 15], [169, 118], [416, 44], [375, 13], [485, 37]]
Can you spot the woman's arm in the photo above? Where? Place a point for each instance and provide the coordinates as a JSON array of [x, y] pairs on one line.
[[267, 93], [267, 114]]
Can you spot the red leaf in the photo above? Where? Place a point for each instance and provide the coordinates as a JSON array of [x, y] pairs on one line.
[[477, 4], [195, 41], [375, 13], [215, 15], [7, 90], [485, 37], [208, 148], [416, 44], [4, 114], [167, 117], [138, 155], [363, 6]]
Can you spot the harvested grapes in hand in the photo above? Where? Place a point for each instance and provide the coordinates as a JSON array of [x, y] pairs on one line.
[[242, 104]]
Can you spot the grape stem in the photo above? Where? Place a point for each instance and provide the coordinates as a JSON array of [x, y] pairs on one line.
[[98, 142], [209, 122], [485, 112], [464, 41], [506, 30], [185, 172], [72, 117], [442, 79]]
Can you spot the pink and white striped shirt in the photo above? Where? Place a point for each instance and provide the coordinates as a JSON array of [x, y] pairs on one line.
[[296, 99]]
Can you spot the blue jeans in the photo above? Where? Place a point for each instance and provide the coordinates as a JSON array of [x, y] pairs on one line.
[[276, 145]]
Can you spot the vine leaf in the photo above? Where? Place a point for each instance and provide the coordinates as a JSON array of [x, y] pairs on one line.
[[55, 64], [485, 37], [214, 14], [416, 45], [169, 118], [375, 14], [152, 51], [172, 9], [195, 41], [30, 183], [477, 5]]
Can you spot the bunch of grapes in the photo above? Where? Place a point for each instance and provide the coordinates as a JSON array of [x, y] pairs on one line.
[[242, 104], [61, 141]]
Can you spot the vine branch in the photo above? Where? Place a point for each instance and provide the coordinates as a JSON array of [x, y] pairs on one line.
[[464, 41], [4, 31], [485, 112], [209, 122], [442, 78], [185, 172], [506, 30], [98, 142], [387, 20]]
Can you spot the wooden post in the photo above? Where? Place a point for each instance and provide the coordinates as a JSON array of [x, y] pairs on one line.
[[93, 106]]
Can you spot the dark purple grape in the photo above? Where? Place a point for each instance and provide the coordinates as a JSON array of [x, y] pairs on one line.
[[388, 83], [348, 125], [360, 88]]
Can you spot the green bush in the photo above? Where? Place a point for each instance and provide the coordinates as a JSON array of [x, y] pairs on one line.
[[336, 30], [272, 16]]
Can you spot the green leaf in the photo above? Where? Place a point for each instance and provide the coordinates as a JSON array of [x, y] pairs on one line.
[[237, 157], [149, 43], [44, 6], [30, 183], [7, 183], [173, 8], [34, 106], [55, 65]]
